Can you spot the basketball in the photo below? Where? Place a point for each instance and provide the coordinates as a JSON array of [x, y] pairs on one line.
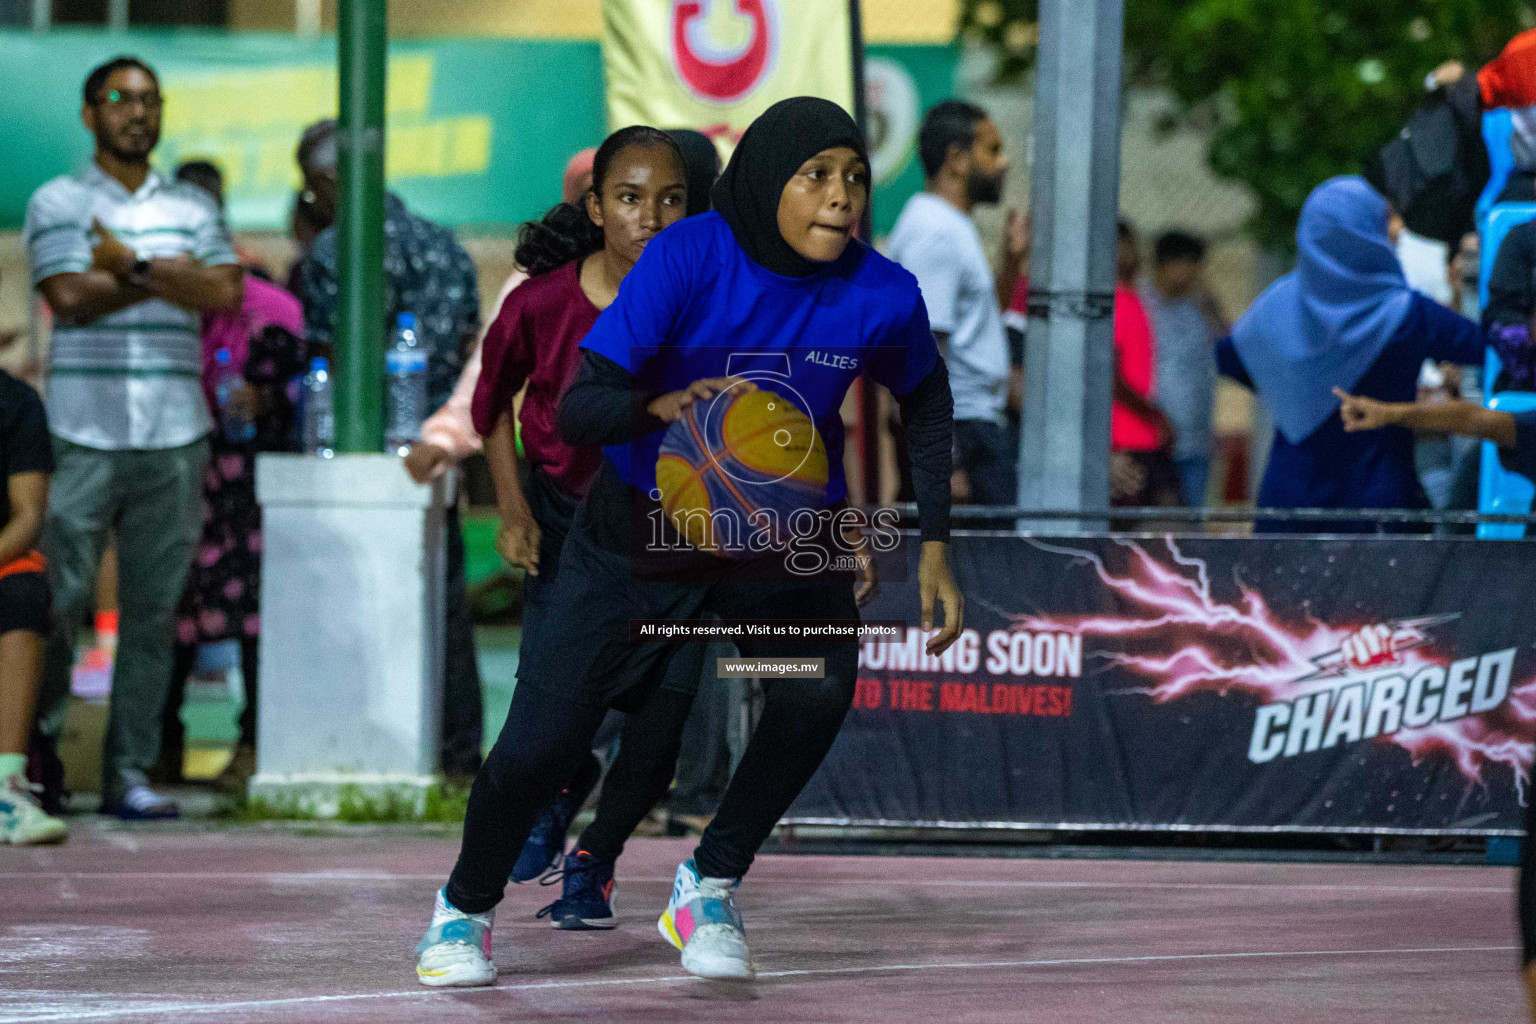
[[735, 468]]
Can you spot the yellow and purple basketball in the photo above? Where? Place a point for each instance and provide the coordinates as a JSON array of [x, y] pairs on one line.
[[736, 467]]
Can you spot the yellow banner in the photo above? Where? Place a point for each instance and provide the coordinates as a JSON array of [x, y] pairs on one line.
[[714, 65]]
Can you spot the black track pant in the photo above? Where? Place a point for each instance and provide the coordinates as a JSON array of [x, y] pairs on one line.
[[641, 773], [577, 671], [651, 737]]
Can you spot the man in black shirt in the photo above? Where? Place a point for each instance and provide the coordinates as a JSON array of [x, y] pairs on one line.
[[26, 461]]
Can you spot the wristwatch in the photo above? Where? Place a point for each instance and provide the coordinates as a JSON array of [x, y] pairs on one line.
[[139, 275]]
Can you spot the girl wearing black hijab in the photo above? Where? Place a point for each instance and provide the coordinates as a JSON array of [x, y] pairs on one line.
[[771, 285], [702, 160]]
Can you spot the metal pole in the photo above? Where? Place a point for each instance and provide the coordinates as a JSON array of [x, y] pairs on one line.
[[359, 375], [117, 15], [869, 396], [1074, 197], [42, 20]]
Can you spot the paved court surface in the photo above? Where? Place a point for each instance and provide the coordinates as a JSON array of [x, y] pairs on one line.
[[248, 924]]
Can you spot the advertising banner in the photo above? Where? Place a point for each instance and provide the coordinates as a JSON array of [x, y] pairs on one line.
[[714, 65], [1371, 684], [900, 83], [478, 133]]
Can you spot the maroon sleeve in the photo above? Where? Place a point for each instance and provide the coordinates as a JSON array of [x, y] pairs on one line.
[[506, 360]]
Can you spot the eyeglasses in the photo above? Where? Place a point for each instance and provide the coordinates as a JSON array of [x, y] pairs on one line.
[[119, 99]]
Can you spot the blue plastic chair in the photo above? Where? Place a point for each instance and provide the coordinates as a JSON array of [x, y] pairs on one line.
[[1498, 126], [1500, 219], [1500, 491]]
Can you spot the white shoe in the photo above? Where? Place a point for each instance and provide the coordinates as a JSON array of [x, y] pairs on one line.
[[22, 821], [701, 919], [141, 803], [456, 951]]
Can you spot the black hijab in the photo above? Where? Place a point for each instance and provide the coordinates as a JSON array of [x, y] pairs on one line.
[[701, 166], [785, 136]]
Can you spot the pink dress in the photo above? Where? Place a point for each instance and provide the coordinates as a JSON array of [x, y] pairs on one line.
[[265, 339]]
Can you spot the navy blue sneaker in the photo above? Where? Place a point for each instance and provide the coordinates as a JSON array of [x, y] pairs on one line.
[[541, 853], [546, 843], [141, 803], [586, 896]]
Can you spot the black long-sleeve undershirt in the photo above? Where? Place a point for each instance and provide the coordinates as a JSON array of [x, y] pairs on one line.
[[928, 414], [603, 407]]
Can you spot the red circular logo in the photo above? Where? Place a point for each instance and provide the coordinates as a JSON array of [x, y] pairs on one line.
[[717, 74]]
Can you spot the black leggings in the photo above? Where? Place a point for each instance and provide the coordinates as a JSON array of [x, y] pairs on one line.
[[547, 736], [651, 737], [649, 744], [577, 671]]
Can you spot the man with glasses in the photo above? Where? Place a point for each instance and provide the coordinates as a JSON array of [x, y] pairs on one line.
[[127, 259]]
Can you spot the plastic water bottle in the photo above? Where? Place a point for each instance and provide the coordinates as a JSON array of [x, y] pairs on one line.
[[319, 412], [405, 373], [227, 379]]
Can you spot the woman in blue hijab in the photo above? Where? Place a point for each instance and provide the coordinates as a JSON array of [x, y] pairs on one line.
[[1344, 317]]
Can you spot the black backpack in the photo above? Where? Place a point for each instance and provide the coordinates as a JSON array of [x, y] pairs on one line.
[[1434, 170]]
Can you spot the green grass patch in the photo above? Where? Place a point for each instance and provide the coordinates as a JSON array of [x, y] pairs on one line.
[[442, 803]]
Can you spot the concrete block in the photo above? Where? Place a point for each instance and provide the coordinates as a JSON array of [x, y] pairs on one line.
[[352, 626]]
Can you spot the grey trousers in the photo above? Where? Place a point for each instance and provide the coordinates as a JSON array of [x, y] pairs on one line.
[[152, 501]]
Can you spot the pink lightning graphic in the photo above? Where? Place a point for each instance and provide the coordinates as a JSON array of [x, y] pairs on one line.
[[1183, 641]]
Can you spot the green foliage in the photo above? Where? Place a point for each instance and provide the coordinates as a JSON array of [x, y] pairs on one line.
[[443, 803], [1293, 91]]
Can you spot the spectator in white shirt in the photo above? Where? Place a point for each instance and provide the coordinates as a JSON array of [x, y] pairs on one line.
[[127, 260], [934, 238]]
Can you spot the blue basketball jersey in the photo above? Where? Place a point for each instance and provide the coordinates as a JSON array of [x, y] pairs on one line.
[[696, 306]]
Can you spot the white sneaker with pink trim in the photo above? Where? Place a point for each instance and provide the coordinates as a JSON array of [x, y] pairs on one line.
[[456, 951], [701, 919]]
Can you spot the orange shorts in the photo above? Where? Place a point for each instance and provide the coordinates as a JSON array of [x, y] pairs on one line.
[[24, 602], [32, 561]]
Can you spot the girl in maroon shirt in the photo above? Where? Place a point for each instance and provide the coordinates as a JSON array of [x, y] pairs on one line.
[[575, 258]]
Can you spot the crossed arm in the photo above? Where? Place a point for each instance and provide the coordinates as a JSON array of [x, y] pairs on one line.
[[86, 296]]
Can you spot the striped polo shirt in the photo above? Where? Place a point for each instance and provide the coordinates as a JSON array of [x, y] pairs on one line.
[[129, 379]]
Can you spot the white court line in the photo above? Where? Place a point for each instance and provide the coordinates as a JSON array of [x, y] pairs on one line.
[[385, 876], [156, 1009], [122, 841]]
